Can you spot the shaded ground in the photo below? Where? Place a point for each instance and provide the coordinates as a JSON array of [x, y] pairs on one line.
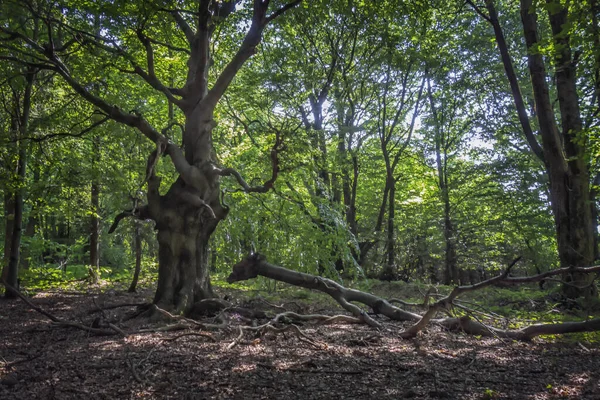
[[40, 361]]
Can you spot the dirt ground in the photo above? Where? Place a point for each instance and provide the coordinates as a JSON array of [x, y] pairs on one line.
[[42, 361]]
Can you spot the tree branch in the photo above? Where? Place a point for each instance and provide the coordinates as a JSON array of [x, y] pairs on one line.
[[246, 50], [183, 25], [268, 185]]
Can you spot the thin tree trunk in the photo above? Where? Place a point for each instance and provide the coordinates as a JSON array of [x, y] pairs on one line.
[[389, 270], [12, 274], [451, 274], [32, 222], [9, 218], [94, 268], [138, 257]]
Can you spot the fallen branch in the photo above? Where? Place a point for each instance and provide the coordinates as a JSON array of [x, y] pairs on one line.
[[113, 306], [322, 319], [184, 323], [255, 265], [294, 328], [204, 335]]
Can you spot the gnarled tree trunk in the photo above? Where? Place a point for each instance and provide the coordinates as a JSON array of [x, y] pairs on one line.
[[186, 216]]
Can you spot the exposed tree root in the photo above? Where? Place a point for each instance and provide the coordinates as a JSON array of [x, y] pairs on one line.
[[268, 327], [288, 317], [255, 265], [183, 322]]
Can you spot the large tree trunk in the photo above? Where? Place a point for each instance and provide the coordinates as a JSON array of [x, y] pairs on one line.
[[564, 153], [186, 216]]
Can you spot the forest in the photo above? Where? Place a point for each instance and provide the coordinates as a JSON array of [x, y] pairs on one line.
[[308, 199]]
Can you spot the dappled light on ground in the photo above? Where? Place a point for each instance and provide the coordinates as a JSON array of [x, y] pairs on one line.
[[351, 361]]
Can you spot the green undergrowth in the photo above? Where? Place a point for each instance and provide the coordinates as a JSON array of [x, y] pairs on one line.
[[76, 277]]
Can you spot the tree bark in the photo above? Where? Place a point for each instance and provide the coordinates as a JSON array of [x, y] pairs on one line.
[[9, 218], [12, 273], [94, 268], [186, 217], [32, 221], [138, 257], [389, 270], [563, 150]]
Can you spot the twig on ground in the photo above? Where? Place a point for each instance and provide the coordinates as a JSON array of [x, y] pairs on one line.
[[205, 335], [10, 365], [134, 372], [113, 306], [190, 321], [270, 304], [237, 339]]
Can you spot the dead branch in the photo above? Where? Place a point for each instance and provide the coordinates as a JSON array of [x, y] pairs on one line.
[[204, 335], [134, 372], [238, 339], [322, 319], [255, 265], [113, 306], [268, 327], [185, 323]]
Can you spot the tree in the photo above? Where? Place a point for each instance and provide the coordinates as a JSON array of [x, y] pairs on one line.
[[188, 213], [563, 148]]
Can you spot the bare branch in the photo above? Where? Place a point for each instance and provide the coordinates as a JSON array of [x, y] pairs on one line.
[[68, 134], [478, 10], [114, 112], [268, 185], [168, 46], [183, 25], [282, 10]]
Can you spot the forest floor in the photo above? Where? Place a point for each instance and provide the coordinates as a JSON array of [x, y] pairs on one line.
[[42, 361]]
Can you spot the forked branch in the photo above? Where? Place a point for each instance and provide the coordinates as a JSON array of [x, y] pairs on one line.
[[255, 265]]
